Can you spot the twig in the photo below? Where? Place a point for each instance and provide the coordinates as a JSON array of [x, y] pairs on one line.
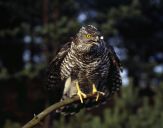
[[37, 118]]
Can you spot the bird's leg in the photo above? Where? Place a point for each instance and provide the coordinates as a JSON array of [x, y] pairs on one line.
[[80, 93], [94, 91]]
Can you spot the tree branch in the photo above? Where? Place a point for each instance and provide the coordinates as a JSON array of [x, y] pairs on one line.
[[37, 118]]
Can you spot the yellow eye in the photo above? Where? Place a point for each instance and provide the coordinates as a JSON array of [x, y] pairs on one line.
[[88, 35]]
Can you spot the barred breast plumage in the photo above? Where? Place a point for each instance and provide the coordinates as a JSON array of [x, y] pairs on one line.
[[86, 61]]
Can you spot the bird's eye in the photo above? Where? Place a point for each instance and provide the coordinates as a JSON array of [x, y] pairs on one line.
[[88, 35]]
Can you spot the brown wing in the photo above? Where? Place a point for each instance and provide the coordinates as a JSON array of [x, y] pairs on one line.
[[55, 85], [114, 79], [113, 82]]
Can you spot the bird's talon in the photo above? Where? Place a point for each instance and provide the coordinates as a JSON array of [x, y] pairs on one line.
[[98, 93], [84, 95], [81, 96], [80, 93], [102, 93], [97, 97]]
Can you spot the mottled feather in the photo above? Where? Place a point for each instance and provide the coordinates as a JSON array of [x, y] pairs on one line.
[[86, 60]]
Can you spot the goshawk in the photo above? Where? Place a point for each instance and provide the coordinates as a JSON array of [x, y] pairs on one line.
[[86, 65]]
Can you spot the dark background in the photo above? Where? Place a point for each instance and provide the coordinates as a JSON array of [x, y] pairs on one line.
[[32, 31]]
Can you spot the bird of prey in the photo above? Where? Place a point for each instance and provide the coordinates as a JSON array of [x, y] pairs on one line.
[[86, 65]]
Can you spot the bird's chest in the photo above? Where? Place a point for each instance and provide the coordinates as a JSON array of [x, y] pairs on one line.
[[96, 69], [85, 68]]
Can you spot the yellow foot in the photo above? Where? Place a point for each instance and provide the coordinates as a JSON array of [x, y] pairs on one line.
[[98, 93], [80, 93]]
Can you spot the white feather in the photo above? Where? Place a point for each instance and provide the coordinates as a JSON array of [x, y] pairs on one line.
[[67, 85]]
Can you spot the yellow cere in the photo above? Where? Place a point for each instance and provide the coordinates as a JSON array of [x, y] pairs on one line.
[[88, 35]]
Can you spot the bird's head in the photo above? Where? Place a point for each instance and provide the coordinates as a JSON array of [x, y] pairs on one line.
[[89, 38]]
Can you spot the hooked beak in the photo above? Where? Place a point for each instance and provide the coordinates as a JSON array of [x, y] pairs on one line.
[[96, 42]]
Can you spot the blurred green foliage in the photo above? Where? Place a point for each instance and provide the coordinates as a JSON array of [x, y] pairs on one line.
[[10, 124], [128, 111], [139, 25]]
